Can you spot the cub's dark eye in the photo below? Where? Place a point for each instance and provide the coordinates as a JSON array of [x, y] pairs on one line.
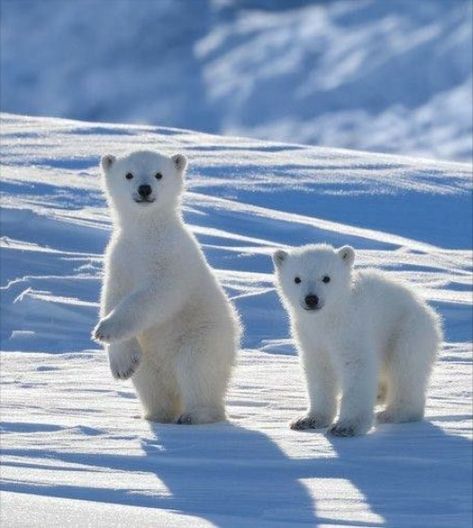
[[128, 175], [326, 279], [297, 280], [158, 175]]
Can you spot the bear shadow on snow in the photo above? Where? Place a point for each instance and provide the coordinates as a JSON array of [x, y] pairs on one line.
[[227, 474], [399, 469], [405, 471]]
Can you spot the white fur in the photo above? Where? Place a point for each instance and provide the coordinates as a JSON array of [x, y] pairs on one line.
[[165, 319], [369, 336]]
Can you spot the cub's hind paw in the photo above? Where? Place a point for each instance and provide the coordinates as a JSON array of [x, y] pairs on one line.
[[184, 419], [202, 415], [397, 416]]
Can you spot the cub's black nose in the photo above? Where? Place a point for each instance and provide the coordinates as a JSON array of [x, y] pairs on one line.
[[145, 190], [311, 301]]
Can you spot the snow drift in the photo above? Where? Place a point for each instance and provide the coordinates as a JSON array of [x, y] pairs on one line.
[[72, 451]]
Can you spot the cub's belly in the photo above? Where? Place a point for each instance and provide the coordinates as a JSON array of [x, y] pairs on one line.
[[163, 340], [181, 331]]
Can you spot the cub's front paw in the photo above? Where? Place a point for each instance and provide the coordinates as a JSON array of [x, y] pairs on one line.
[[124, 362], [309, 422], [108, 330], [350, 428]]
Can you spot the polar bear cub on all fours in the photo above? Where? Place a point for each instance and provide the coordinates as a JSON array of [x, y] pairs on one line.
[[360, 335], [165, 319]]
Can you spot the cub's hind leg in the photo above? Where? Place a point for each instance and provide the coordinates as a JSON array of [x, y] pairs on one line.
[[157, 392], [408, 369], [203, 369]]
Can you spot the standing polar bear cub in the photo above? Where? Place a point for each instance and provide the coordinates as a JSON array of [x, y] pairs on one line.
[[359, 334], [165, 319]]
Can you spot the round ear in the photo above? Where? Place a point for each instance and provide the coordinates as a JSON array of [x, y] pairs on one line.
[[347, 254], [180, 162], [279, 257], [107, 161]]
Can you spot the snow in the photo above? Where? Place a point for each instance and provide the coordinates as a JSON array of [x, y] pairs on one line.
[[391, 76], [74, 450]]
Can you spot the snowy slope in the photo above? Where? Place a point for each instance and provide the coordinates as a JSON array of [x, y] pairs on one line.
[[368, 74], [74, 451]]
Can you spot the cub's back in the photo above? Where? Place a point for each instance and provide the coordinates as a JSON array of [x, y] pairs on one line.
[[384, 302]]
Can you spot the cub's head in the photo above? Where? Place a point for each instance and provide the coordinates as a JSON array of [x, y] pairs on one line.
[[143, 181], [313, 278]]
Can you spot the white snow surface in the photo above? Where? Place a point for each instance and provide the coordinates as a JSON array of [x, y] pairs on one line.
[[74, 450], [384, 75]]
